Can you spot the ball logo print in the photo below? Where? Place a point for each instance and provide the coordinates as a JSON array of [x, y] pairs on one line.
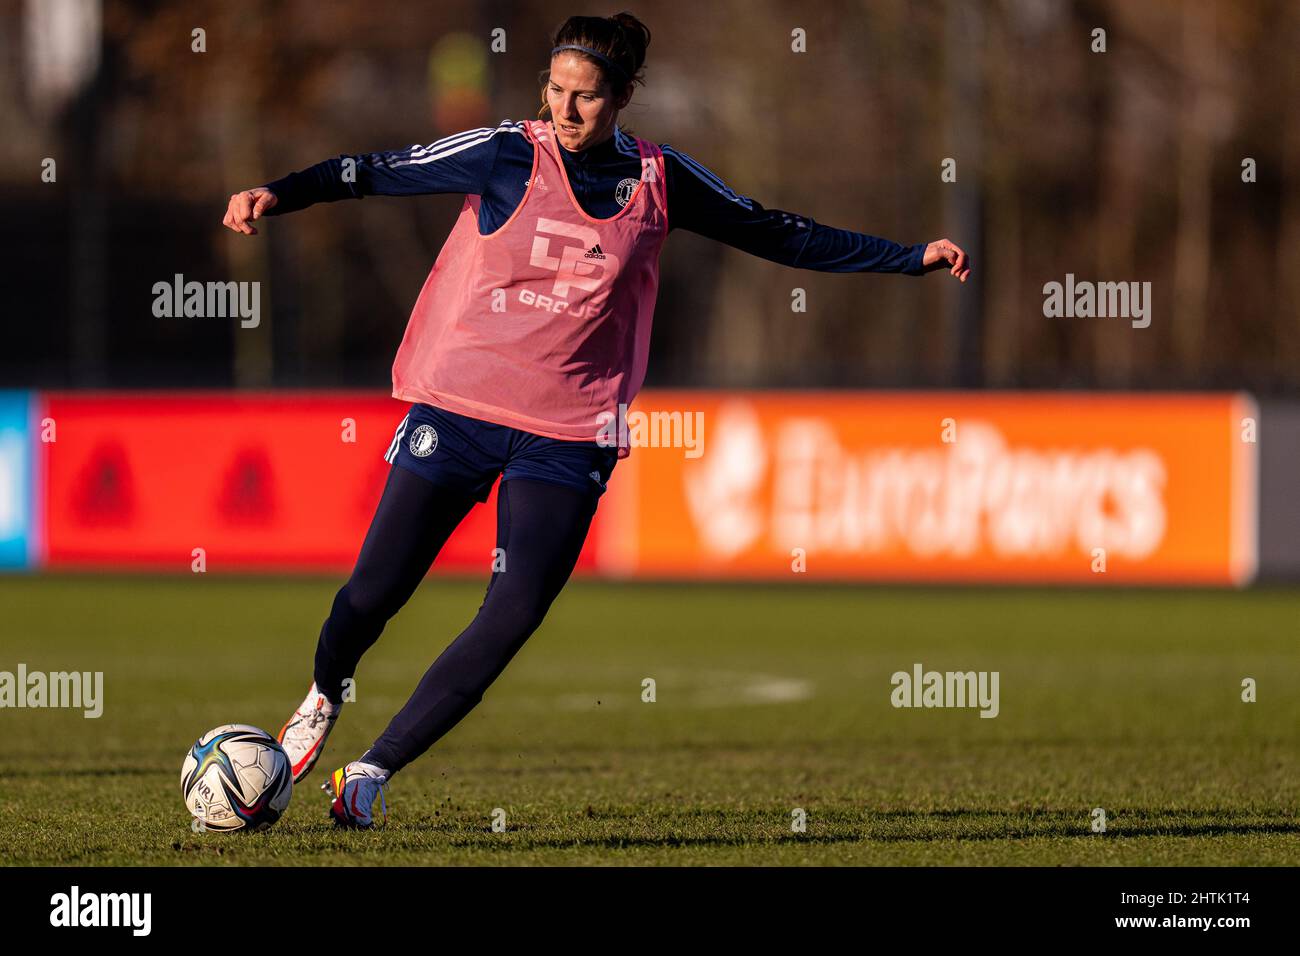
[[424, 440]]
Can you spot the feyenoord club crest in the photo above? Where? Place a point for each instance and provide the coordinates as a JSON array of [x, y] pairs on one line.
[[624, 190], [423, 441]]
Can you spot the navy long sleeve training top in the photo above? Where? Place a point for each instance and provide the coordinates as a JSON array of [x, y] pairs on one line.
[[495, 163]]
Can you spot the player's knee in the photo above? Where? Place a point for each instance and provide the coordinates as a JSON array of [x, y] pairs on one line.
[[355, 601], [521, 614]]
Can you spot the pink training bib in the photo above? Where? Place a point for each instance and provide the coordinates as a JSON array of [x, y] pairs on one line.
[[544, 325]]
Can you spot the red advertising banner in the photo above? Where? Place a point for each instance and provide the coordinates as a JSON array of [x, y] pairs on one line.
[[274, 481]]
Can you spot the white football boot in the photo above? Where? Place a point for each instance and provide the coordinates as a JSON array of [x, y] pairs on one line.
[[303, 735], [354, 789]]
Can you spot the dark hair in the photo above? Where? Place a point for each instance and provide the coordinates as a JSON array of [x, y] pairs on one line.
[[621, 38]]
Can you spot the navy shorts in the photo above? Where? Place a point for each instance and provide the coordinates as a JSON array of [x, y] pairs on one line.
[[467, 454]]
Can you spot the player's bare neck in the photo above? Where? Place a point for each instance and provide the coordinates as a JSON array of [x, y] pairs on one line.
[[589, 146]]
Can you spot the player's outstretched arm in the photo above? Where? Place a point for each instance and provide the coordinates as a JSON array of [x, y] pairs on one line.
[[700, 202], [247, 205], [460, 163]]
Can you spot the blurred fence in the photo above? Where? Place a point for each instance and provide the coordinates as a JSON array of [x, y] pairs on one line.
[[1168, 154]]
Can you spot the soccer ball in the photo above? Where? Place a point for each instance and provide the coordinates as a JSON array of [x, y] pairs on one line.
[[236, 777]]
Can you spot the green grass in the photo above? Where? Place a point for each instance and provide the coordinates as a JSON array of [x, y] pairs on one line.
[[769, 698]]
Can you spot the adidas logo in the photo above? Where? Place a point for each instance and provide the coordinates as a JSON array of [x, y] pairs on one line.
[[594, 252], [540, 184]]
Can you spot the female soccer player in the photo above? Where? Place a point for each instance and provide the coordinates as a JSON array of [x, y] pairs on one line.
[[530, 331]]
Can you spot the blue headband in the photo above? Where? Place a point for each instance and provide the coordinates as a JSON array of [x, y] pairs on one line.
[[604, 60]]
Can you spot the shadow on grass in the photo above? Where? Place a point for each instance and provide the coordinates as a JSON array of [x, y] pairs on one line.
[[884, 827]]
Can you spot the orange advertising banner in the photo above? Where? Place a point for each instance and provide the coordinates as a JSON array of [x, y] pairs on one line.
[[941, 486]]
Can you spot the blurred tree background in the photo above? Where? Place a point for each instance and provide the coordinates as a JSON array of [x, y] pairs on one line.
[[1117, 166]]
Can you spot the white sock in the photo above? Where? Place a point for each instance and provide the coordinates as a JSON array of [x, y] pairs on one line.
[[371, 770], [327, 706]]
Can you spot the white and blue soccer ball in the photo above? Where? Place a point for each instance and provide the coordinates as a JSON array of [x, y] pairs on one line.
[[236, 777]]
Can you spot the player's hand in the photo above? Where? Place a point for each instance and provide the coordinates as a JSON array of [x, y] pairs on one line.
[[941, 253], [247, 206]]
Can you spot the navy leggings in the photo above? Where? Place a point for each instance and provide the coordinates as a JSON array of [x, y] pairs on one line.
[[540, 526]]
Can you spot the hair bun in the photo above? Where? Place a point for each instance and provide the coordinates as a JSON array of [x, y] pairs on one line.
[[636, 33]]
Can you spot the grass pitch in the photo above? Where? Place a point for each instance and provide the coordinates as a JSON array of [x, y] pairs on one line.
[[768, 699]]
